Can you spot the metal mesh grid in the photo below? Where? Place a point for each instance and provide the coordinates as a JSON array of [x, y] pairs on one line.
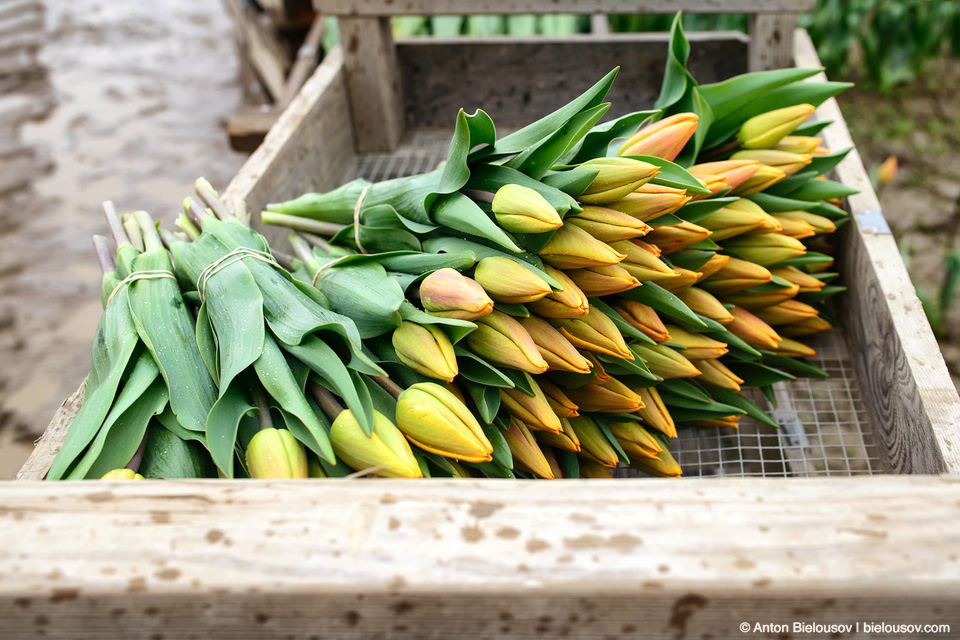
[[824, 426]]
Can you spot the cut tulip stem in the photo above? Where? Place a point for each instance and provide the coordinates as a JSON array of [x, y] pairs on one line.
[[326, 400], [317, 241], [134, 464], [116, 225], [479, 196], [263, 415], [301, 248], [148, 230], [104, 254], [208, 195], [388, 385], [197, 211], [169, 238], [285, 260], [301, 224], [132, 228]]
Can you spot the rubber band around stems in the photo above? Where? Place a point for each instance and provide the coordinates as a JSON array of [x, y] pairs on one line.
[[313, 282], [225, 261], [356, 218], [156, 274]]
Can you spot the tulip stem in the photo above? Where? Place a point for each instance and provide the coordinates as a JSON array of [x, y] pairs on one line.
[[134, 464], [132, 228], [104, 255], [730, 147], [205, 190], [388, 385], [479, 196], [285, 260], [116, 226], [301, 224], [169, 239], [263, 415], [326, 400]]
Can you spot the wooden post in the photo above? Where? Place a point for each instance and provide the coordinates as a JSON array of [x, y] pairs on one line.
[[771, 40], [373, 82]]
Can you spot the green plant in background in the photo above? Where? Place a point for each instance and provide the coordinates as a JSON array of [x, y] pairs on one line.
[[937, 307]]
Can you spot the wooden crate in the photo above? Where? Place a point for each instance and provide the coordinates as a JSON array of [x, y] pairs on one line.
[[495, 559]]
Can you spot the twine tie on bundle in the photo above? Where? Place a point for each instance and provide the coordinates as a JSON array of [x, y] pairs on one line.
[[156, 274], [223, 262]]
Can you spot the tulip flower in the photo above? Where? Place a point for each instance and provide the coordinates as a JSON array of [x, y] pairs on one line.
[[594, 332], [603, 281], [569, 302], [593, 443], [502, 340], [561, 404], [664, 139], [663, 466], [676, 237], [729, 422], [736, 275], [565, 439], [820, 224], [752, 329], [590, 470], [887, 171], [651, 201], [525, 450], [642, 262], [275, 453], [793, 349], [610, 397], [755, 300], [634, 433], [552, 462], [437, 421], [616, 178], [314, 468], [635, 451], [805, 282], [797, 229], [787, 312], [767, 129], [571, 247], [121, 474], [714, 372], [521, 209], [696, 346], [534, 411], [608, 225], [716, 262], [737, 218], [705, 304], [654, 412], [642, 318], [764, 177], [665, 362], [803, 328], [734, 172], [765, 249], [425, 349], [557, 351], [789, 163], [449, 294], [798, 144], [683, 279], [508, 280], [386, 447]]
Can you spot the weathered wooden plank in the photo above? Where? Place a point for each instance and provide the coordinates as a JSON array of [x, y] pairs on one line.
[[914, 406], [478, 559], [443, 7], [373, 80], [517, 80], [47, 447], [771, 40]]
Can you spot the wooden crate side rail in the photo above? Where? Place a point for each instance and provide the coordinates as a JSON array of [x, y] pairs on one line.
[[913, 404], [348, 559], [382, 8]]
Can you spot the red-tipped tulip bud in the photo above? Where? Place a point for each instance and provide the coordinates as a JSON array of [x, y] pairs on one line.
[[683, 279], [569, 302], [820, 224], [736, 275], [437, 421], [737, 218], [805, 282], [665, 362], [766, 249], [676, 237], [593, 443], [502, 340], [594, 332], [767, 129], [275, 453], [449, 294], [798, 144], [713, 184], [696, 346], [642, 318], [756, 300], [523, 210], [735, 172], [616, 178], [752, 329], [603, 281], [571, 247], [534, 411], [634, 433], [556, 350], [727, 422], [787, 312], [386, 447], [561, 404], [507, 280], [552, 461], [566, 439], [608, 225], [764, 177], [664, 139], [887, 171], [789, 163], [663, 466], [651, 201], [704, 303], [426, 349], [590, 470], [654, 412], [797, 229], [642, 261], [610, 397], [793, 349], [525, 450], [807, 327], [716, 262], [715, 373]]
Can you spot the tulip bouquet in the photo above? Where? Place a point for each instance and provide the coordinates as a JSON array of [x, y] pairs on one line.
[[548, 304]]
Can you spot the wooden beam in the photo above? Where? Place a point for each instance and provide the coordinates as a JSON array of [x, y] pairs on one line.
[[473, 7], [485, 559], [913, 404], [771, 40], [373, 80]]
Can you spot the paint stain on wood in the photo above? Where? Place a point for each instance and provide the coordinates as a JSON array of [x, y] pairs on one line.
[[169, 574], [214, 535], [622, 542], [536, 544], [63, 594], [160, 517], [482, 509], [744, 563], [869, 533], [508, 533], [394, 524], [472, 534], [100, 496]]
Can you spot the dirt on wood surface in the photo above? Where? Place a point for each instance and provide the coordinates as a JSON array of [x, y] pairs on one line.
[[143, 92]]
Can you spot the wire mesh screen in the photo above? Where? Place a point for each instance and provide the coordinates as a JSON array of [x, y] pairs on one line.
[[824, 429]]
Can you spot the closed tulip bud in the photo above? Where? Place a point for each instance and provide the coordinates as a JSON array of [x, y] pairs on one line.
[[569, 302], [616, 178], [736, 275], [807, 327], [764, 177], [314, 468], [797, 229], [887, 171], [716, 262], [787, 312], [502, 340], [534, 411], [683, 279], [696, 346], [507, 280], [713, 184], [608, 225], [610, 397], [121, 474], [425, 349], [767, 129], [437, 421], [641, 261], [715, 373], [603, 281], [756, 300], [386, 447], [448, 294], [822, 151], [561, 404], [274, 454], [635, 434], [820, 224], [665, 362], [735, 172], [461, 471], [523, 210], [634, 451], [789, 163], [664, 139], [752, 329], [651, 201], [654, 412], [557, 351], [643, 319], [805, 282], [593, 443], [594, 332], [736, 218], [766, 249], [798, 144], [552, 461], [590, 470], [705, 304], [566, 439], [676, 237], [525, 450], [663, 466], [728, 422], [793, 349], [571, 247], [599, 374]]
